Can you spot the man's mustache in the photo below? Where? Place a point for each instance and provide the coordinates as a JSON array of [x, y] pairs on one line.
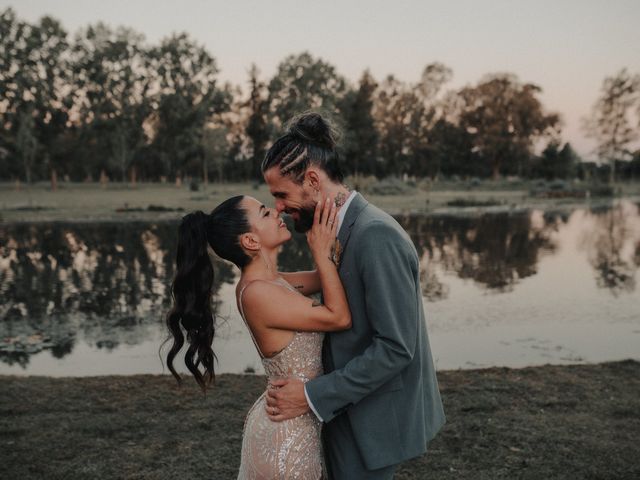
[[289, 211]]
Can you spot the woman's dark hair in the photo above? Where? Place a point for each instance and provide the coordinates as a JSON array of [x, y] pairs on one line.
[[310, 140], [192, 284]]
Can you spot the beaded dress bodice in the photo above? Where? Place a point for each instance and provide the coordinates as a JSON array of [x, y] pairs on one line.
[[301, 358]]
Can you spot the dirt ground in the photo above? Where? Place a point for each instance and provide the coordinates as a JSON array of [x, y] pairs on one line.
[[550, 422]]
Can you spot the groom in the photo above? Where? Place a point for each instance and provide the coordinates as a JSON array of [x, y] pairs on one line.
[[379, 397]]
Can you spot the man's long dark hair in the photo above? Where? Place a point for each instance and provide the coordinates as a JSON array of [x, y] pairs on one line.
[[191, 288]]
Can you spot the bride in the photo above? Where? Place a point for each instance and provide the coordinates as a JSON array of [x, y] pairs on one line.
[[285, 324]]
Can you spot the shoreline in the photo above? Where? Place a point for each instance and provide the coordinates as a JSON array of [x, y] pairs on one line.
[[560, 422], [164, 202]]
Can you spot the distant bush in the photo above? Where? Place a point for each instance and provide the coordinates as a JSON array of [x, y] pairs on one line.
[[162, 208], [426, 184], [558, 185], [390, 186], [601, 190], [471, 202], [514, 181], [361, 183], [540, 184], [562, 189], [475, 182]]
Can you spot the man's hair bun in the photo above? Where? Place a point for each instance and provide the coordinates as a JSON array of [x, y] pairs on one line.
[[311, 127]]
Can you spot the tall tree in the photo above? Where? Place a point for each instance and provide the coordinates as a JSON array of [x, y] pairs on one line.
[[451, 152], [229, 145], [34, 103], [610, 123], [257, 129], [301, 83], [361, 137], [393, 106], [433, 78], [186, 96], [505, 118], [404, 115], [556, 162], [427, 158], [26, 142], [215, 151], [112, 81], [400, 116]]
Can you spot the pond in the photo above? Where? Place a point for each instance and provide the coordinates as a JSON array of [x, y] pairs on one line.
[[499, 289]]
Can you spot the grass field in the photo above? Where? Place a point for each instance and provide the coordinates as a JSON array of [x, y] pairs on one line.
[[79, 201], [551, 422]]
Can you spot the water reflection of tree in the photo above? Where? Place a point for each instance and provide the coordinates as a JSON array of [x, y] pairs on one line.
[[494, 250], [109, 281], [613, 248], [433, 288]]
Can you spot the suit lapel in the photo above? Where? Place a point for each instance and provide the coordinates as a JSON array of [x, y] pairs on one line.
[[353, 212]]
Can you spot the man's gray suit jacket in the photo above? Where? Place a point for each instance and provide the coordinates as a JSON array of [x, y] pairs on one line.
[[380, 373]]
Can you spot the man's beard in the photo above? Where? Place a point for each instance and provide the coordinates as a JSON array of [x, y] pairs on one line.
[[304, 222]]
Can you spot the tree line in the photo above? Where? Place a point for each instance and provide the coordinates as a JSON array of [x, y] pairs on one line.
[[103, 103]]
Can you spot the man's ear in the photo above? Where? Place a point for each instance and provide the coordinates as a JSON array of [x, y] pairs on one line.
[[312, 177], [249, 241]]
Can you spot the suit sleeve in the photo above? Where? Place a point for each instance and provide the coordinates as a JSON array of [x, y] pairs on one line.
[[387, 266]]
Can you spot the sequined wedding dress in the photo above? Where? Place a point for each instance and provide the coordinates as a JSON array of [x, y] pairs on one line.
[[290, 449]]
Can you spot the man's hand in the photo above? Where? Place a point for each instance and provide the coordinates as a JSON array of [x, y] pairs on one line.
[[286, 399]]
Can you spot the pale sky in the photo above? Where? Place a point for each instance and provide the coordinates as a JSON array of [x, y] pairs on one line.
[[567, 47]]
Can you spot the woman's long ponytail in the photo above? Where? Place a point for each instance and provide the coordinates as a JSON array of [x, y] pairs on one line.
[[192, 286], [191, 290]]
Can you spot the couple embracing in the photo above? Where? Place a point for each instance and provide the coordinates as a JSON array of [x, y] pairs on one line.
[[352, 387]]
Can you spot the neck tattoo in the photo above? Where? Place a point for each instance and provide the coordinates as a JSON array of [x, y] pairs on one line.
[[340, 199]]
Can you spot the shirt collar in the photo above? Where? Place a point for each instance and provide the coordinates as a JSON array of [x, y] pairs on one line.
[[343, 210]]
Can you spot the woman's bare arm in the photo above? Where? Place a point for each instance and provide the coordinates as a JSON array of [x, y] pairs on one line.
[[272, 306], [268, 305], [306, 282]]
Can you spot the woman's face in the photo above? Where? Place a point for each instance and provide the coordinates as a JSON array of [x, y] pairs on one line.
[[266, 223]]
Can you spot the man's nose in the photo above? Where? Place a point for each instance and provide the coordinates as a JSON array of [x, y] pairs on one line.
[[279, 206]]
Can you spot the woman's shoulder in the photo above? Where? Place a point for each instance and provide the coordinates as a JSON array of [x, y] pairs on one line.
[[261, 290]]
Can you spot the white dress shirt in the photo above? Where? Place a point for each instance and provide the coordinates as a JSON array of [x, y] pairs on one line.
[[341, 214]]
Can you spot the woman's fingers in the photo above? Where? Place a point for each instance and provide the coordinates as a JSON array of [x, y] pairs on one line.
[[316, 212], [321, 236], [270, 401], [278, 382], [325, 211], [277, 418]]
